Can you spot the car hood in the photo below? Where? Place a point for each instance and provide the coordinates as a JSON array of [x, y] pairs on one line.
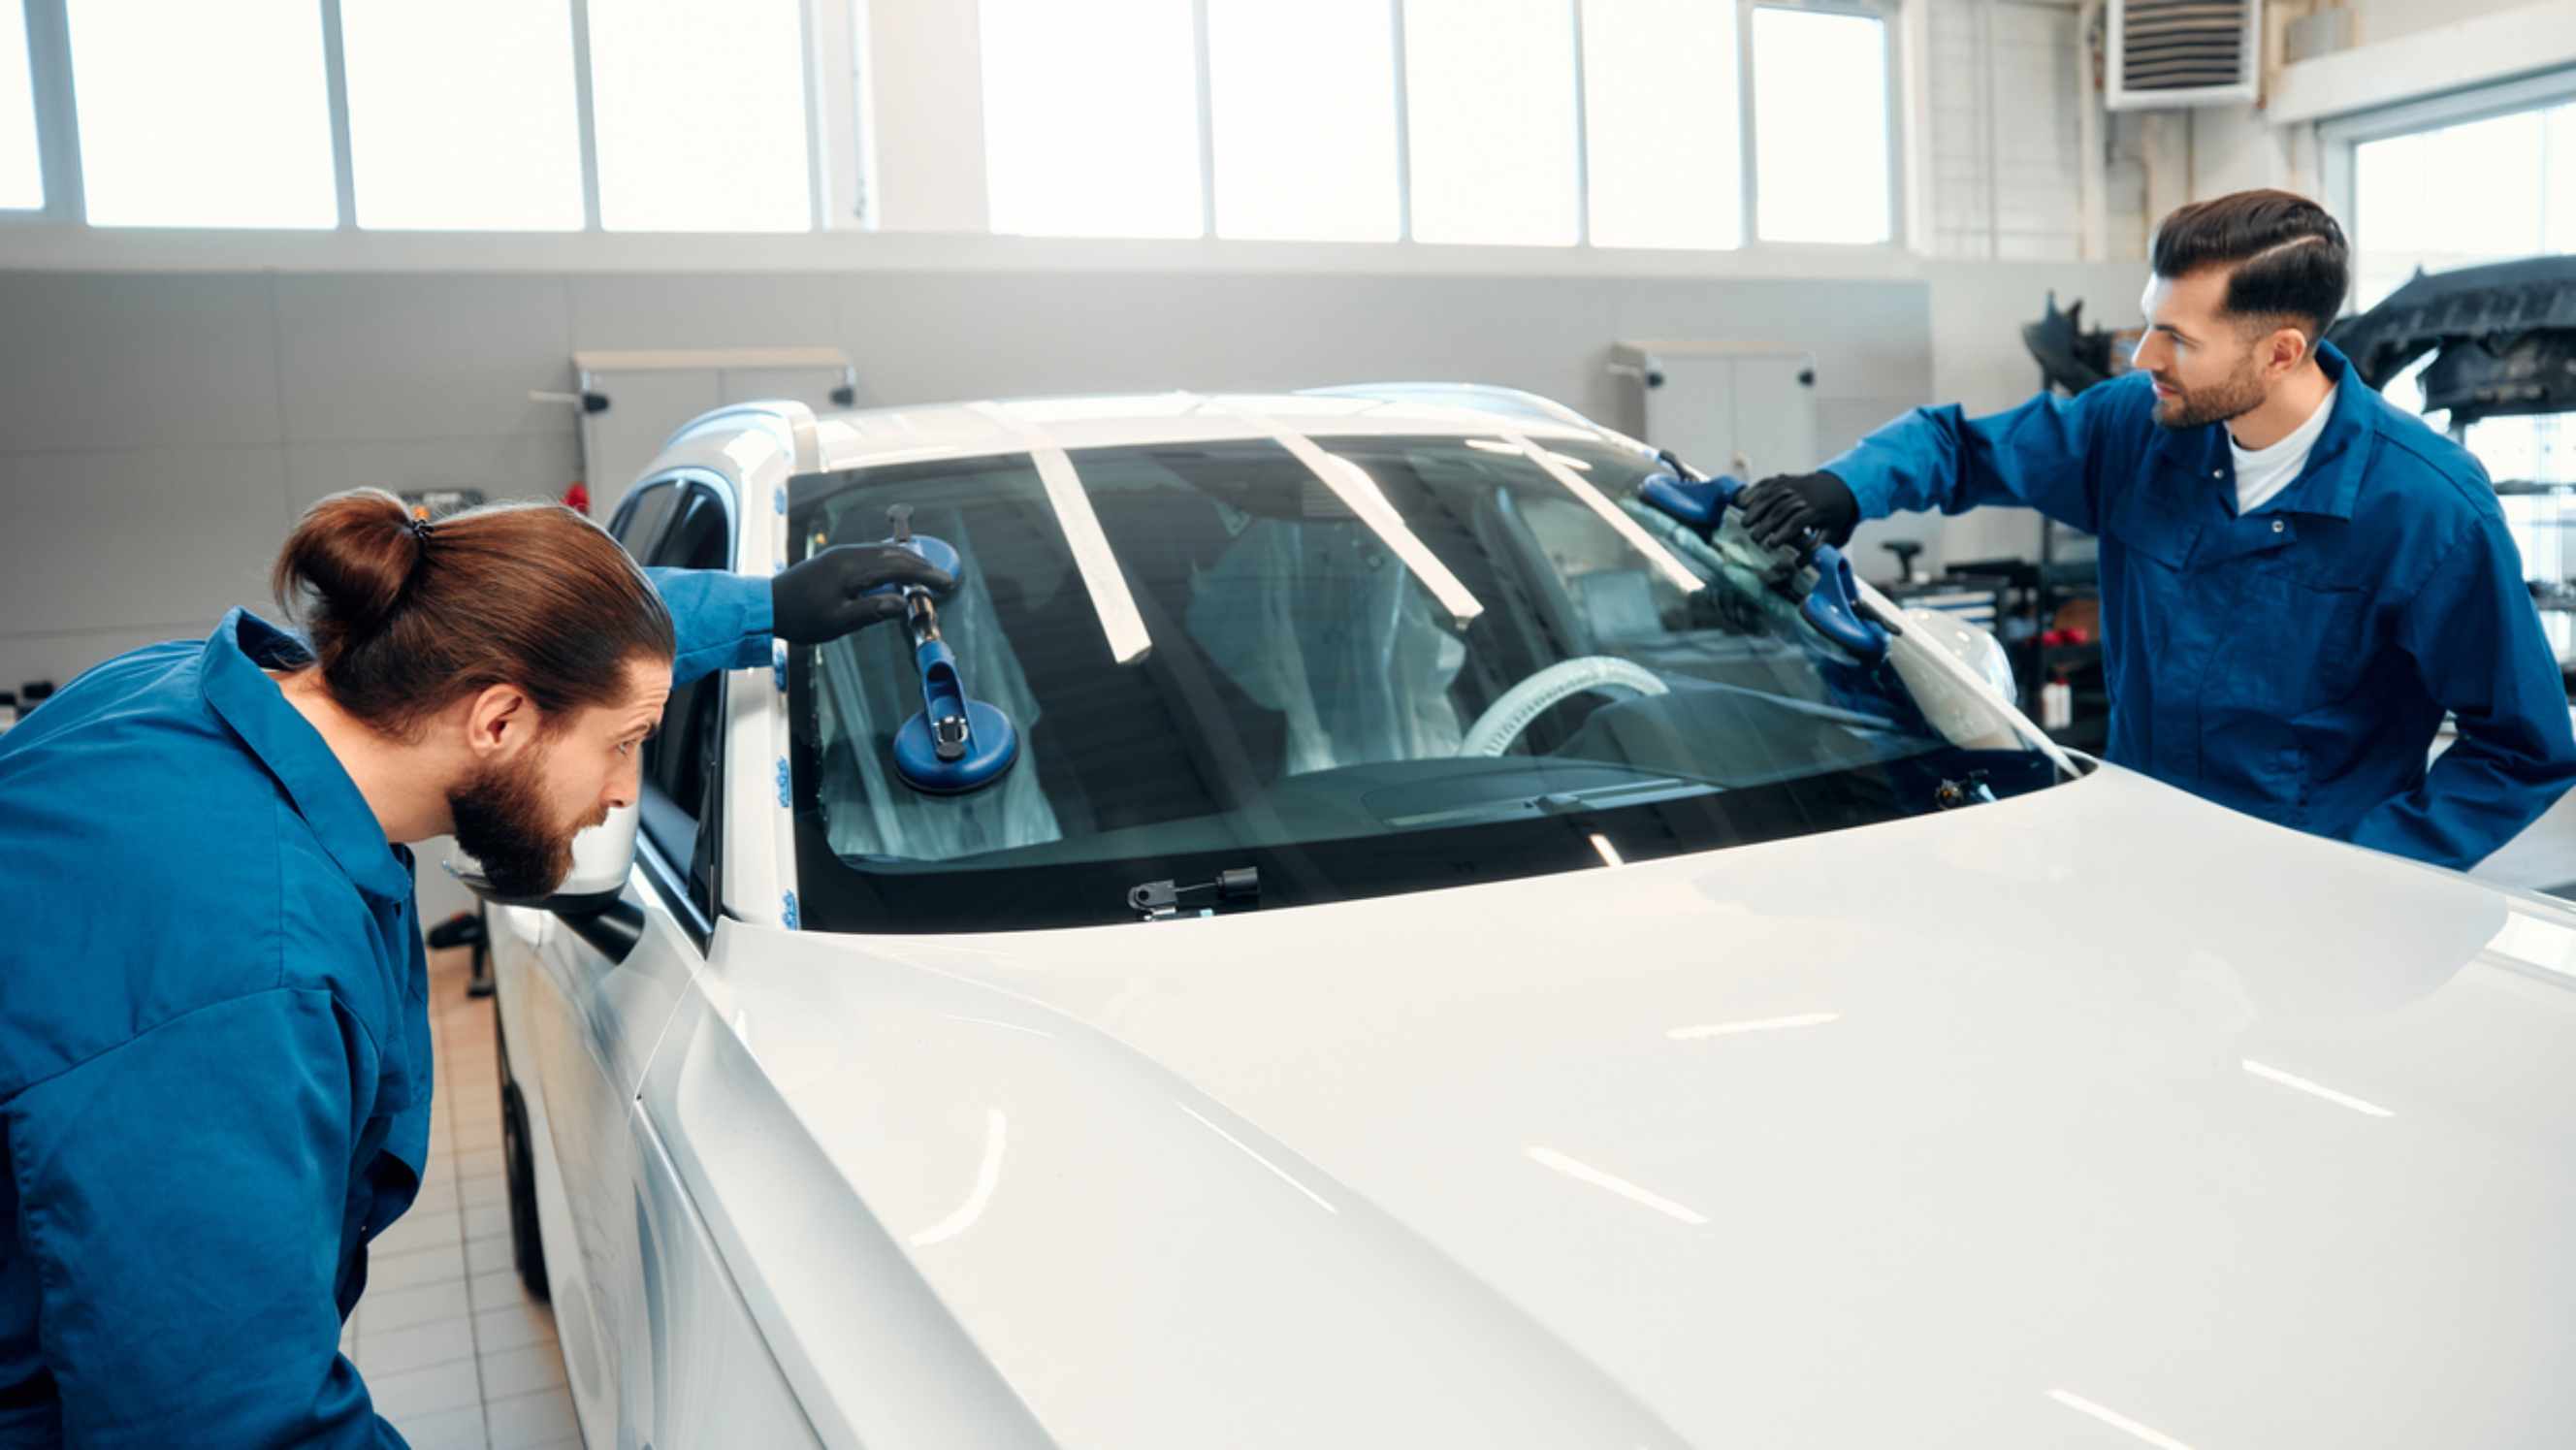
[[2093, 1116]]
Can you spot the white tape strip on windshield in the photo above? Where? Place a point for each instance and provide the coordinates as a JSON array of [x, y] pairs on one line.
[[1360, 494], [1593, 499], [1110, 601]]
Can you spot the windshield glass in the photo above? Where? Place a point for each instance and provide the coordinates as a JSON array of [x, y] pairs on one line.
[[1551, 691]]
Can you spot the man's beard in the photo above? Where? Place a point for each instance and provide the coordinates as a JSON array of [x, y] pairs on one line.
[[501, 821], [2241, 394]]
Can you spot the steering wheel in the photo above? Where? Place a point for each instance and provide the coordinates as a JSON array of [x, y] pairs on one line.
[[1505, 719]]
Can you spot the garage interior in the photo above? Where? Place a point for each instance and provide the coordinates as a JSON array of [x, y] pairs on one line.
[[256, 253]]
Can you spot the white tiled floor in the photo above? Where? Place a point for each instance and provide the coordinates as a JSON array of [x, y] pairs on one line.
[[456, 1354]]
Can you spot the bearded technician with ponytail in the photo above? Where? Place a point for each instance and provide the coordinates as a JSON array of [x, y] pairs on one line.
[[214, 1033]]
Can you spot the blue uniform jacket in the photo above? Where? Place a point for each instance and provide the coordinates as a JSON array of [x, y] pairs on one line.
[[214, 1045], [2294, 663]]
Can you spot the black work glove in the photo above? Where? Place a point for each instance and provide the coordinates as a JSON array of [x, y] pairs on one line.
[[1800, 510], [826, 596]]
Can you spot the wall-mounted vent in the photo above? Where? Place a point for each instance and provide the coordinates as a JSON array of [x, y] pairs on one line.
[[2169, 53]]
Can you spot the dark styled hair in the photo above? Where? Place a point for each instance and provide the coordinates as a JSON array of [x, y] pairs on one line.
[[406, 618], [2286, 254]]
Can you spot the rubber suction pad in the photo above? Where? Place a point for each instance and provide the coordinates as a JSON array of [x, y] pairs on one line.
[[952, 745], [941, 554], [916, 758]]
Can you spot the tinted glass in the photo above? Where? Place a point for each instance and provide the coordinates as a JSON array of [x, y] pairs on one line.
[[680, 762], [639, 520]]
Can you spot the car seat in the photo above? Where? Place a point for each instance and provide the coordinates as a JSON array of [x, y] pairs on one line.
[[1316, 619]]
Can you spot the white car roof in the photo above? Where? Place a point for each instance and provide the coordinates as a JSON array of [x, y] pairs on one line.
[[867, 437]]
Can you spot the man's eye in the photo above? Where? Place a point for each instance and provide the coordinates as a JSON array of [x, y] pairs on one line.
[[626, 747]]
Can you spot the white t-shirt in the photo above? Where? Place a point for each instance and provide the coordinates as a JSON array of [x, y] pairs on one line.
[[2266, 471]]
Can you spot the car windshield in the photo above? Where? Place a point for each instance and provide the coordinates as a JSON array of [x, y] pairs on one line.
[[1392, 664]]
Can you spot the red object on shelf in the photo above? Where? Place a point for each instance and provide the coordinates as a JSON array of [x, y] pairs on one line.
[[577, 497]]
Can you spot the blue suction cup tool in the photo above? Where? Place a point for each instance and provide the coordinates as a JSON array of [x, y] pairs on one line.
[[1700, 503], [952, 745], [1834, 607], [938, 551]]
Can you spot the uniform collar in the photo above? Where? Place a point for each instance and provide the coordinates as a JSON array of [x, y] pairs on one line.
[[2332, 480], [285, 742]]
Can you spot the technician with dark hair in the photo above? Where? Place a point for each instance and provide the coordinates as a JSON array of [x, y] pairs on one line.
[[2298, 580], [214, 1030]]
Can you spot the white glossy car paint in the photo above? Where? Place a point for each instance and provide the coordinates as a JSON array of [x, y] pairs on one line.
[[1872, 1138], [2099, 1115]]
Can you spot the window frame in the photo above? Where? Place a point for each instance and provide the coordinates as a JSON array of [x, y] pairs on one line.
[[837, 83], [836, 131], [1885, 12], [2339, 139], [695, 910], [628, 507], [41, 59]]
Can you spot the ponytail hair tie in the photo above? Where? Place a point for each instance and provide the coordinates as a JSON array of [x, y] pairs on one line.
[[420, 528]]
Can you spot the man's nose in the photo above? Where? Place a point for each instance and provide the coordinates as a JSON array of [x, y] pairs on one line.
[[2148, 356], [623, 786]]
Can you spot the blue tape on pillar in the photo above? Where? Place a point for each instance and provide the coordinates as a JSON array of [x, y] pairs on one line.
[[787, 911], [782, 781]]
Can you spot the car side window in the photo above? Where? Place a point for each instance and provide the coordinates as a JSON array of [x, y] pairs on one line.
[[681, 775], [639, 519]]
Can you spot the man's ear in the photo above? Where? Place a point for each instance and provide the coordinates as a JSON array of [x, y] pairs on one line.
[[2285, 350], [500, 721]]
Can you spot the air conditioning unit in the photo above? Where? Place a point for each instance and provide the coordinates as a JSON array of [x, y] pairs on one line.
[[2171, 53]]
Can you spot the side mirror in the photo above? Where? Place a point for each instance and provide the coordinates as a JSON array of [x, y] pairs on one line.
[[1974, 645], [602, 858]]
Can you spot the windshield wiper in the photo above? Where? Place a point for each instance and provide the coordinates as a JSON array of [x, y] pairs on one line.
[[1235, 890], [1557, 802]]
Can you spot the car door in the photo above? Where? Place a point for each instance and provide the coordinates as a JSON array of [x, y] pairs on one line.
[[592, 1015]]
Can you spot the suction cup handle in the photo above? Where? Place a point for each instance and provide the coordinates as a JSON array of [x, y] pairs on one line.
[[954, 744], [1833, 607], [948, 737]]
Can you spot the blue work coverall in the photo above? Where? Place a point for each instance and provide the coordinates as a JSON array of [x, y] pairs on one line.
[[2294, 663], [214, 1045]]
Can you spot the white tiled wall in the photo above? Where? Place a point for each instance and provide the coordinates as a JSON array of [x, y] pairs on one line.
[[2006, 172]]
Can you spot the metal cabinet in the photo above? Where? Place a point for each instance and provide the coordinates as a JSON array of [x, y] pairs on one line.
[[1745, 408]]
